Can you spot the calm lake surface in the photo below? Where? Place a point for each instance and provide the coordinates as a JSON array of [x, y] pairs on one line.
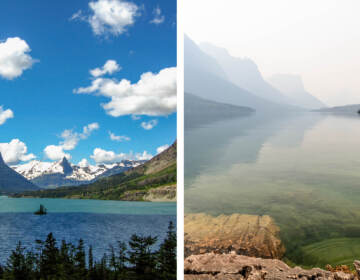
[[303, 170], [99, 223]]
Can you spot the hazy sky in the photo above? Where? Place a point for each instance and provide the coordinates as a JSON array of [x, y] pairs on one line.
[[319, 40]]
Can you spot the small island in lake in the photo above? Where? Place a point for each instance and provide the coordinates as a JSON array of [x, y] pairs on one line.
[[42, 210]]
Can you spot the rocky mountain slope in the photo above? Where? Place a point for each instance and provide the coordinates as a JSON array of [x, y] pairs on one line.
[[63, 173], [11, 181], [205, 78], [244, 73], [234, 267], [249, 235], [160, 171]]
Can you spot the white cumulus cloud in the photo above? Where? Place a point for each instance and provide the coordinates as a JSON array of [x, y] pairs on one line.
[[109, 67], [14, 58], [152, 95], [109, 16], [5, 115], [119, 138], [144, 156], [15, 151], [162, 148], [70, 140], [103, 156], [158, 17], [54, 152], [84, 163], [149, 125]]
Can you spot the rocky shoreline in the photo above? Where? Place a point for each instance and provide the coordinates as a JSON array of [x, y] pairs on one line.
[[211, 266], [249, 235], [241, 247]]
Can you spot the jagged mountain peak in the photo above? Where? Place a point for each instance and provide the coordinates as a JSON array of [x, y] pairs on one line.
[[62, 172], [67, 169]]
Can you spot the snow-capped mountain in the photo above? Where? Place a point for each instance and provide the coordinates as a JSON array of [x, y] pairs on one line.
[[63, 173]]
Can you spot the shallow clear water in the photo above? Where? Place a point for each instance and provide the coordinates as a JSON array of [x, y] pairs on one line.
[[303, 170], [98, 223]]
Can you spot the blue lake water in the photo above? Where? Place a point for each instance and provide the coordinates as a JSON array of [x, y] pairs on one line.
[[98, 223]]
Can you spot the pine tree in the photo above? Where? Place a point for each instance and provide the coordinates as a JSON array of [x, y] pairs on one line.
[[122, 258], [80, 260], [16, 265], [49, 258], [141, 256], [167, 254]]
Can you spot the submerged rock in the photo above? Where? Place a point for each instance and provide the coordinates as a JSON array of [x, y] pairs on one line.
[[236, 267], [249, 235]]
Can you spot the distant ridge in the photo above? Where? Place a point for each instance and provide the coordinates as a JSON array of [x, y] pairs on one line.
[[347, 109], [199, 111], [11, 181]]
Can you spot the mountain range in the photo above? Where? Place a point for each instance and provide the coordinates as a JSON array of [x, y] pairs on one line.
[[137, 183], [63, 173], [212, 73]]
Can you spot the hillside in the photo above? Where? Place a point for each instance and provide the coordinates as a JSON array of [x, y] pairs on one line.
[[347, 109], [11, 181], [160, 171]]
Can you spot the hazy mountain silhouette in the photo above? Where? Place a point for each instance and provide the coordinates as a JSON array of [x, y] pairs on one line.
[[204, 77], [292, 86], [244, 73]]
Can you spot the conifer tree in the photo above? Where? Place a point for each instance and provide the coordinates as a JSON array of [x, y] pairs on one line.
[[141, 255], [167, 254]]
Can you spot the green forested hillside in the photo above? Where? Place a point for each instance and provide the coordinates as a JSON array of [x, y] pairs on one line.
[[159, 171]]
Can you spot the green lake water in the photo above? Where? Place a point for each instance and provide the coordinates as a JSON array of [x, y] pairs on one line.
[[302, 170]]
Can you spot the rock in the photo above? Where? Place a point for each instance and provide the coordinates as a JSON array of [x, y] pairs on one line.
[[249, 235], [357, 268], [212, 266], [161, 194]]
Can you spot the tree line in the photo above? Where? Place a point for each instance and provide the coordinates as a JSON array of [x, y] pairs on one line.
[[66, 261]]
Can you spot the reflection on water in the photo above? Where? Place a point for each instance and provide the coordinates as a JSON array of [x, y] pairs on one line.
[[303, 170]]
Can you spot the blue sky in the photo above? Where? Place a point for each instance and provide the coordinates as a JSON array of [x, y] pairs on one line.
[[39, 88]]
